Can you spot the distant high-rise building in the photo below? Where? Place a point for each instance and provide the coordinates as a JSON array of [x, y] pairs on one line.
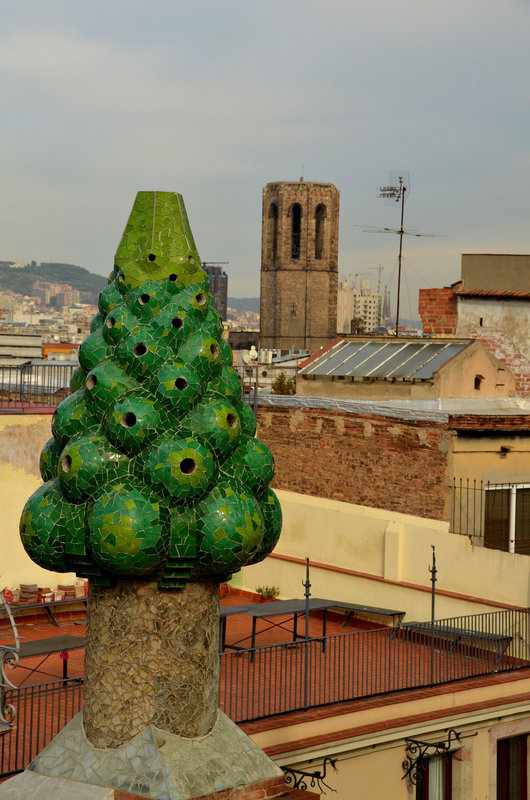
[[299, 256], [218, 286], [354, 304]]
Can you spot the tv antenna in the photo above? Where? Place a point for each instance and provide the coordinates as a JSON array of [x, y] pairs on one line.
[[396, 192]]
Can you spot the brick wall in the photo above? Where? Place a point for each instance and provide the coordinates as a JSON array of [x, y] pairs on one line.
[[504, 349], [437, 309], [366, 459]]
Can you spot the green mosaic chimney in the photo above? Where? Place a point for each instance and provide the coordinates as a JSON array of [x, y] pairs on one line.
[[153, 471]]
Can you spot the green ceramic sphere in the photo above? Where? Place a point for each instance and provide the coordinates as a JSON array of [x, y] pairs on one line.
[[93, 350], [77, 380], [109, 297], [203, 353], [178, 385], [118, 324], [227, 385], [127, 533], [106, 383], [217, 423], [147, 300], [251, 466], [177, 324], [272, 517], [45, 525], [180, 468], [71, 417], [143, 351], [89, 460], [97, 322], [231, 529], [49, 460], [132, 422]]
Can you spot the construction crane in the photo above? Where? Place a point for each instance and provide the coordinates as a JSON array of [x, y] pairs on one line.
[[379, 271], [355, 276]]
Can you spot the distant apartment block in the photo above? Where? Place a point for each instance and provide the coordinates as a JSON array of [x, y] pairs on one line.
[[218, 287], [355, 304], [58, 294]]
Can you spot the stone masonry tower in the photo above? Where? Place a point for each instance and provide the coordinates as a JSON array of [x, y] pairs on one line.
[[299, 264]]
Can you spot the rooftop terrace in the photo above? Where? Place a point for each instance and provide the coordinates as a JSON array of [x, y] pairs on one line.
[[357, 662]]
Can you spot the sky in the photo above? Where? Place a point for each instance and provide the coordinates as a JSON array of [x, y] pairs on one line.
[[216, 98]]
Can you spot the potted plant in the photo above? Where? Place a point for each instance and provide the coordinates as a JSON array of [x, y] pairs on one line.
[[267, 593]]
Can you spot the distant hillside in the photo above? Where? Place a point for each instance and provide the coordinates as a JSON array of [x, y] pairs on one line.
[[21, 280], [244, 303]]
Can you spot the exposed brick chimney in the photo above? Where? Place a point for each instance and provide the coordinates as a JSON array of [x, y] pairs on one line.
[[437, 309]]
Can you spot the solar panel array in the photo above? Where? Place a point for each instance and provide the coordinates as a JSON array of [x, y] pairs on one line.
[[369, 358]]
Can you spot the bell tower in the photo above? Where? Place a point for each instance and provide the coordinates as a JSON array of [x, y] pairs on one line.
[[299, 265]]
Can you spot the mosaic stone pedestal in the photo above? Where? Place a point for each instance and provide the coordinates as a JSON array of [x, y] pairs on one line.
[[152, 658], [39, 787], [159, 765]]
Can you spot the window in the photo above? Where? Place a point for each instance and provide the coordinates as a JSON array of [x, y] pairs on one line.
[[296, 229], [320, 215], [478, 381], [435, 777], [507, 518], [511, 768], [273, 232]]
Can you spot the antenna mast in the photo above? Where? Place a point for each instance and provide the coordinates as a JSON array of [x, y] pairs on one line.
[[397, 193]]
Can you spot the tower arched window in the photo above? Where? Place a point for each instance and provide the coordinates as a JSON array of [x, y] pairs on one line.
[[296, 230], [320, 216], [272, 232]]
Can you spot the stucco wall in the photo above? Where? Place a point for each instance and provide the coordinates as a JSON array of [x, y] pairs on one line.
[[379, 558], [482, 459], [457, 377], [21, 440], [498, 272], [323, 386], [511, 317]]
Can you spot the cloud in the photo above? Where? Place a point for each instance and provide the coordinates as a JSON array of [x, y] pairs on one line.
[[216, 99]]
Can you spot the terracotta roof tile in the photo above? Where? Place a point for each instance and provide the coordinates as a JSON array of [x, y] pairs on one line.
[[491, 293]]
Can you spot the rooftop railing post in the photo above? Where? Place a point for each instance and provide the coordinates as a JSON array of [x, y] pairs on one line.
[[307, 594], [255, 398], [433, 572]]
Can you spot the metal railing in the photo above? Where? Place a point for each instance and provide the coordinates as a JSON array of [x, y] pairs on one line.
[[34, 386], [294, 676], [278, 679], [42, 711]]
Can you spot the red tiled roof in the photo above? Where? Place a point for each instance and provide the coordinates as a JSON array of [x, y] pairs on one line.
[[491, 293]]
